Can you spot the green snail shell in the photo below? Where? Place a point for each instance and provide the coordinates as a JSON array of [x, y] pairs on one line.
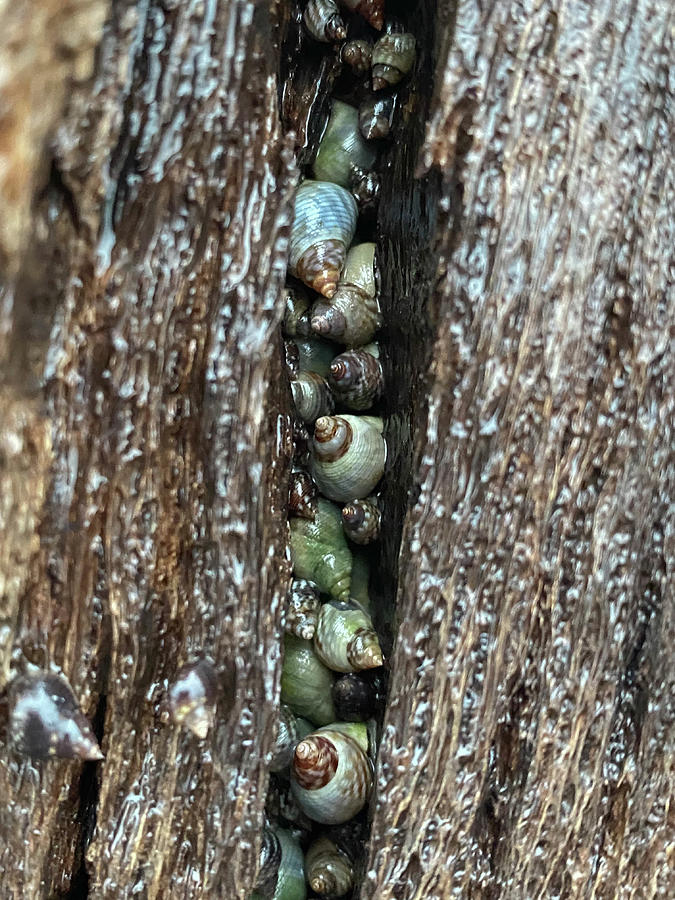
[[302, 609], [342, 147], [323, 21], [356, 379], [345, 639], [324, 223], [306, 683], [319, 550], [330, 872], [312, 396], [393, 58], [353, 315], [360, 579], [348, 456], [331, 775], [315, 355], [291, 883], [361, 520]]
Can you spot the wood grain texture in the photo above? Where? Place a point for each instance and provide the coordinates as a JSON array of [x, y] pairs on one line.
[[528, 740], [163, 533]]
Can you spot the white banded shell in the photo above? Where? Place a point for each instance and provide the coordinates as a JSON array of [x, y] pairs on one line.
[[348, 456], [323, 21], [312, 396], [345, 639], [342, 149], [353, 315], [323, 228]]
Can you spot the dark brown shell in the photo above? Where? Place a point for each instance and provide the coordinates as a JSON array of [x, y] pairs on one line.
[[357, 695], [376, 116], [323, 21], [296, 317], [365, 189], [371, 10], [302, 494], [361, 520], [270, 860], [356, 379], [357, 55]]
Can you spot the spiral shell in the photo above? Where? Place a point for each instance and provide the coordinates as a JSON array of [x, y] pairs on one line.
[[45, 721], [356, 379], [342, 148], [371, 10], [366, 189], [319, 551], [361, 521], [302, 495], [305, 682], [345, 639], [356, 695], [331, 775], [323, 21], [315, 355], [393, 58], [270, 861], [348, 456], [312, 396], [302, 610], [323, 228], [286, 739], [353, 316], [192, 697], [358, 55], [330, 872], [296, 317], [376, 116], [291, 873]]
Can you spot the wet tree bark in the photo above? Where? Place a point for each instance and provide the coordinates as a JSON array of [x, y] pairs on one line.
[[527, 233]]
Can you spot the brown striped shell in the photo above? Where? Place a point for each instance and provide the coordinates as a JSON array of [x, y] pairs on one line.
[[371, 10], [323, 21], [302, 494], [356, 379], [345, 639], [353, 315], [348, 456], [331, 776], [361, 520]]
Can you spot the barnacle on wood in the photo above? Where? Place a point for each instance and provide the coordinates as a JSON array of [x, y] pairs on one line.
[[192, 697]]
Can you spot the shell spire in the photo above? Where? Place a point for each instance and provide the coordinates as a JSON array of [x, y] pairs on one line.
[[345, 639], [356, 379], [46, 722], [323, 21], [361, 521], [330, 871], [348, 456]]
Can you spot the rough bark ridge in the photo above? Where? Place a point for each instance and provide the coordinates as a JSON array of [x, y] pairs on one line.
[[534, 756], [163, 532]]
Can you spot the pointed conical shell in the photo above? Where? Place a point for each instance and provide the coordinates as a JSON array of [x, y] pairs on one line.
[[323, 228], [348, 457], [371, 10], [361, 521], [393, 58], [305, 682], [302, 610], [357, 55], [315, 355], [342, 148], [319, 550], [192, 697], [353, 316], [376, 116], [330, 872], [323, 21], [356, 379], [46, 722], [312, 396], [331, 776], [345, 639], [302, 495]]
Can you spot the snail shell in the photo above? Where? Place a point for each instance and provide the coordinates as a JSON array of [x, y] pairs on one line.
[[302, 611], [314, 355], [371, 10], [366, 189], [376, 116], [393, 58], [358, 55], [323, 228], [319, 550], [305, 682], [331, 775], [356, 379], [286, 739], [345, 639], [46, 722], [291, 877], [353, 316], [301, 442], [323, 21], [296, 317], [361, 521], [192, 697], [292, 360], [330, 872], [360, 579], [356, 695], [302, 495], [342, 148], [348, 456], [312, 396], [270, 861]]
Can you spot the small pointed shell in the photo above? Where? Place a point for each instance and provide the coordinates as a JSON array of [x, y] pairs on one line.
[[302, 494], [302, 610], [192, 697], [330, 871], [353, 316], [342, 148], [357, 55], [323, 21], [323, 228], [361, 520], [345, 639], [376, 115], [348, 457], [356, 379], [331, 776], [319, 550], [45, 721], [312, 396], [305, 682], [393, 58], [371, 10]]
